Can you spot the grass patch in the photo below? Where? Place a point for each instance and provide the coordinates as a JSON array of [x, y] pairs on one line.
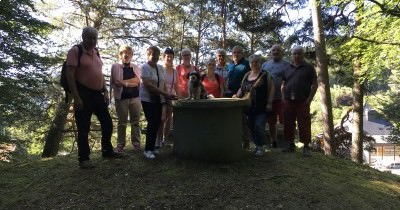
[[274, 181]]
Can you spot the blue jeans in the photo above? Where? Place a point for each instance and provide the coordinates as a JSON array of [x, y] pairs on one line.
[[93, 103], [256, 123], [152, 112]]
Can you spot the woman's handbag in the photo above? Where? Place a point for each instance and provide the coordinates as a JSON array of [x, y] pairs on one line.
[[247, 95]]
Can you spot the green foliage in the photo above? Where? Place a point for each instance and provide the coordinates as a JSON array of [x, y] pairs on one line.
[[380, 37], [261, 23], [24, 78], [375, 43], [338, 109], [391, 110]]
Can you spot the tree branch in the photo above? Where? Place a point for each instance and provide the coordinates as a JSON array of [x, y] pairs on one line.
[[386, 10], [132, 37], [281, 6], [135, 9]]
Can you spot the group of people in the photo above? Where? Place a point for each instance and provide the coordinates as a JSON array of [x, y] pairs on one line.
[[277, 89]]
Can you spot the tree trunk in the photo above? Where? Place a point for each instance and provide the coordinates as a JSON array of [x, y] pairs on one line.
[[358, 101], [223, 15], [252, 41], [199, 32], [54, 135], [182, 39], [323, 76], [358, 98]]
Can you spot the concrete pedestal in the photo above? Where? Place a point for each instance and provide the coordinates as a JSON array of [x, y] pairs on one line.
[[209, 129]]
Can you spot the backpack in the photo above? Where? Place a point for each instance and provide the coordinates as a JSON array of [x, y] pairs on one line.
[[63, 77]]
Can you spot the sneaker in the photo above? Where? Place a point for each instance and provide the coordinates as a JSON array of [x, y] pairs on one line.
[[136, 146], [274, 144], [155, 151], [86, 164], [120, 148], [112, 155], [259, 151], [306, 151], [291, 148], [149, 155]]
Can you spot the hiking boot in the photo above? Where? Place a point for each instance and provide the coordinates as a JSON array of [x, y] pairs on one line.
[[149, 155], [306, 151], [86, 164], [112, 155], [274, 144], [291, 148]]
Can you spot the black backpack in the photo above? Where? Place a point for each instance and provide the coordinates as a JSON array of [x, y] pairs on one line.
[[63, 77]]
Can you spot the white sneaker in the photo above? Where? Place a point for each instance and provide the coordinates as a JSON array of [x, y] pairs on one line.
[[149, 155], [259, 151], [155, 151]]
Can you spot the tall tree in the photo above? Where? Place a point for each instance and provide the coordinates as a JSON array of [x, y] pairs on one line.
[[323, 76], [24, 75], [377, 40], [261, 24], [173, 26], [358, 109], [357, 50], [223, 19], [203, 26], [358, 89]]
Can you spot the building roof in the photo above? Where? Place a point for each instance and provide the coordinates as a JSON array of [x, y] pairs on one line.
[[374, 123]]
